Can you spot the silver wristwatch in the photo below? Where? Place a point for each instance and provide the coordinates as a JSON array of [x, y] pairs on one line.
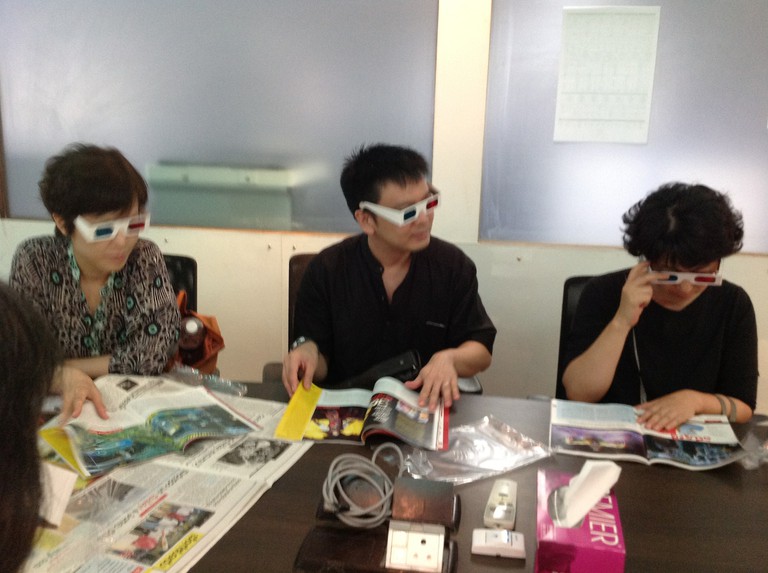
[[299, 341]]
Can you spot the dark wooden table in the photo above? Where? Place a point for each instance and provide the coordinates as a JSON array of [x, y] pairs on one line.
[[673, 519]]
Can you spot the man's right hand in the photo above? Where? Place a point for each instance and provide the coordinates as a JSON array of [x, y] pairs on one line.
[[299, 366]]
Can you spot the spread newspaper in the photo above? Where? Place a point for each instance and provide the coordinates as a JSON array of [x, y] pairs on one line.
[[164, 513], [611, 431], [390, 410]]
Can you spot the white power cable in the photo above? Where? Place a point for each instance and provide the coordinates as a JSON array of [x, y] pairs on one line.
[[336, 499]]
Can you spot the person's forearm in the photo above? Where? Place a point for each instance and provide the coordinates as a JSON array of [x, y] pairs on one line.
[[709, 404], [589, 375], [470, 358], [93, 367]]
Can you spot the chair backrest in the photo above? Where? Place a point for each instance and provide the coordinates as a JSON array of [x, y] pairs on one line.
[[296, 267], [183, 273], [571, 294]]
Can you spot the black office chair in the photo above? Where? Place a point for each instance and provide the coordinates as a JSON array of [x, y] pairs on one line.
[[296, 267], [571, 294], [183, 273], [272, 371]]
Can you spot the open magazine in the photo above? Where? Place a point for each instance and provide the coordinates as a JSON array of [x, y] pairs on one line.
[[356, 415], [611, 431], [148, 417]]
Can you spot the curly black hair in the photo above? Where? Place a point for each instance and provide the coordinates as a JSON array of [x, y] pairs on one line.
[[683, 225]]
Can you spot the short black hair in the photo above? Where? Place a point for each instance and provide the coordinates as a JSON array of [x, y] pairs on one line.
[[368, 168], [89, 179], [685, 225]]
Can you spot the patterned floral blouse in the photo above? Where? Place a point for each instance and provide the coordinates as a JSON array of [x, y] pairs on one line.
[[137, 321]]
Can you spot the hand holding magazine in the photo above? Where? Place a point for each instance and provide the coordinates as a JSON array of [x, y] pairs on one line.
[[356, 415], [611, 431], [148, 417]]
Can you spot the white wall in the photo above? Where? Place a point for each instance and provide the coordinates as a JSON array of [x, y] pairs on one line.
[[243, 282], [294, 84]]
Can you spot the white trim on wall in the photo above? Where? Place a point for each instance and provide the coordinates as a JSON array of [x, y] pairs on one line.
[[461, 80]]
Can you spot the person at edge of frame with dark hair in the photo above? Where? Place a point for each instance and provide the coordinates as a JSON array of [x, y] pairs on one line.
[[391, 288], [669, 335], [105, 292], [29, 356]]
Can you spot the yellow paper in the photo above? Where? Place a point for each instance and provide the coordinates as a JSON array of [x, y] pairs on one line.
[[58, 440], [298, 414]]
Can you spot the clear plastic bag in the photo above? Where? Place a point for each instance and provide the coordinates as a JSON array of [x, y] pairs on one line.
[[757, 452], [475, 451], [194, 377]]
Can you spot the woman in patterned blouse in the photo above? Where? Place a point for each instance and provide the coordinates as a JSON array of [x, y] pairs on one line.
[[105, 292]]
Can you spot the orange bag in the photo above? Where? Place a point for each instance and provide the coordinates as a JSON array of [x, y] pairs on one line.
[[213, 343]]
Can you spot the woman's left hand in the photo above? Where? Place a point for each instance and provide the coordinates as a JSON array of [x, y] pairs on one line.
[[668, 412]]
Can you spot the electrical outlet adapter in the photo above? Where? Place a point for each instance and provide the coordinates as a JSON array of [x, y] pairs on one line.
[[415, 546]]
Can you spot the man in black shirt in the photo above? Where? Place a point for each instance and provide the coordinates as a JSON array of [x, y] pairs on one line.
[[669, 330], [390, 289]]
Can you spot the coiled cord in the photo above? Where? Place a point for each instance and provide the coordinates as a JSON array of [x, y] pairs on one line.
[[336, 499]]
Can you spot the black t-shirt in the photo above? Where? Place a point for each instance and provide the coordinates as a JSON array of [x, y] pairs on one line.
[[342, 305], [709, 346]]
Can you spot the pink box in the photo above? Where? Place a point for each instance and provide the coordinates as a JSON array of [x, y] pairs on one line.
[[595, 544]]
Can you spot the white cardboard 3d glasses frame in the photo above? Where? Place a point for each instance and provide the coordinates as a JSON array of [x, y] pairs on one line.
[[402, 217], [698, 279], [106, 230]]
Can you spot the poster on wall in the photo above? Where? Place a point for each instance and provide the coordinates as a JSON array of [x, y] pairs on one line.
[[607, 64]]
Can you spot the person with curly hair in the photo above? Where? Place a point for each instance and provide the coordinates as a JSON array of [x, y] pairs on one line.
[[669, 335], [105, 292]]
